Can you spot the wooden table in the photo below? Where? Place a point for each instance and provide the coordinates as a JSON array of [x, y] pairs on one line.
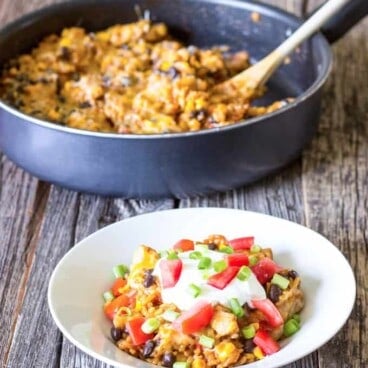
[[326, 190]]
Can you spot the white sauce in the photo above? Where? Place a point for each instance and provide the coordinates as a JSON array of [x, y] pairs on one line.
[[179, 295]]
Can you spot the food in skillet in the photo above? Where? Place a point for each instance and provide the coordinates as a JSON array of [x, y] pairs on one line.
[[215, 303], [131, 78]]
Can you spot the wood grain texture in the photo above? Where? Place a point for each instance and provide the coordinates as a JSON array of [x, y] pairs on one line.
[[335, 178], [325, 189], [18, 203], [36, 341]]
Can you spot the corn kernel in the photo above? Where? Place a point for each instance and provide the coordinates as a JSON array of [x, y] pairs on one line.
[[165, 66], [258, 353], [198, 363], [65, 42], [138, 306], [223, 350]]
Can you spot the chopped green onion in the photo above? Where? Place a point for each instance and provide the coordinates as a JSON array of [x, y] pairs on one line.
[[170, 315], [108, 296], [120, 270], [296, 317], [253, 260], [150, 325], [236, 308], [195, 255], [205, 274], [163, 253], [181, 365], [194, 290], [220, 266], [226, 249], [172, 255], [280, 281], [201, 248], [244, 273], [291, 327], [248, 332], [255, 248], [204, 263], [207, 342]]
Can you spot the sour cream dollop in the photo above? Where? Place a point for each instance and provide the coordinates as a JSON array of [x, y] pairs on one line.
[[179, 295]]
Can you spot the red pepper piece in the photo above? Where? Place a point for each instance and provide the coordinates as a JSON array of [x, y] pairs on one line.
[[237, 260], [265, 269], [244, 243], [170, 272], [270, 311], [267, 344], [134, 327], [194, 319], [222, 279], [184, 245]]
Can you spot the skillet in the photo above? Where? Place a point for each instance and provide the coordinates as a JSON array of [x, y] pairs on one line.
[[179, 164]]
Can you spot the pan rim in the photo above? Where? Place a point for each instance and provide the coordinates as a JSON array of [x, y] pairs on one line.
[[254, 5]]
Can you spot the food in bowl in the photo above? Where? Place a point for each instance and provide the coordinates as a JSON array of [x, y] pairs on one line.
[[213, 303], [132, 78]]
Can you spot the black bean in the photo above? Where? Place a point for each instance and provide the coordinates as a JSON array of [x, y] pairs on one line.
[[274, 293], [75, 76], [168, 359], [20, 88], [248, 345], [106, 81], [212, 121], [35, 112], [85, 105], [173, 72], [293, 274], [22, 78], [148, 348], [116, 333], [148, 278], [65, 53], [199, 114], [212, 246]]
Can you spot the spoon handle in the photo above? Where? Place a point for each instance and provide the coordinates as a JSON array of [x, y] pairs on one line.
[[258, 74], [310, 26]]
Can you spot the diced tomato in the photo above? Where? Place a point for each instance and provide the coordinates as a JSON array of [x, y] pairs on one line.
[[170, 272], [237, 260], [242, 243], [222, 279], [134, 327], [267, 344], [270, 311], [110, 308], [117, 285], [194, 319], [184, 245], [265, 269]]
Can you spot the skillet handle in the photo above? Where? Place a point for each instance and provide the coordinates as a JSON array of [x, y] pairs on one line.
[[346, 18]]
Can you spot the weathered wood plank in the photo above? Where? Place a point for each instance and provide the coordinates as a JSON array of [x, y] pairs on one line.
[[37, 341], [22, 203], [335, 185], [20, 207]]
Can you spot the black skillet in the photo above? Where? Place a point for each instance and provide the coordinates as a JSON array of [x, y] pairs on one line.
[[185, 164]]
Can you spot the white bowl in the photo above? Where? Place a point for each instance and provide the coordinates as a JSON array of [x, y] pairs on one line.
[[85, 272]]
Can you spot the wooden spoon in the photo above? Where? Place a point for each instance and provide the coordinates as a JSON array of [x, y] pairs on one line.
[[250, 80]]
